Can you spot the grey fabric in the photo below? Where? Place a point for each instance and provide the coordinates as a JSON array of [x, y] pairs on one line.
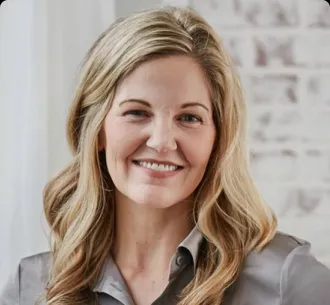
[[284, 273]]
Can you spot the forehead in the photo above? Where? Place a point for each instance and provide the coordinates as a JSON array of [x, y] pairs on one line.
[[167, 80]]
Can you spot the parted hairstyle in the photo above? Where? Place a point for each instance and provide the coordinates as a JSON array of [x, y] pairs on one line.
[[79, 203]]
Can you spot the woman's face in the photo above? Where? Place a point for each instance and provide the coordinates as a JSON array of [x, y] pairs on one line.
[[159, 132]]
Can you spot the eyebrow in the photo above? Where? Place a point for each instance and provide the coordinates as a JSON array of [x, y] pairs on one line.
[[147, 104]]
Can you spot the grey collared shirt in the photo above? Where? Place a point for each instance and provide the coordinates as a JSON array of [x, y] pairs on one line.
[[284, 273]]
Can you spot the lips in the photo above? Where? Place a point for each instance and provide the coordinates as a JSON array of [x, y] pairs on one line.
[[157, 162], [157, 167]]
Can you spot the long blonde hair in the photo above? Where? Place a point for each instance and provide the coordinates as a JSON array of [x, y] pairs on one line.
[[78, 202]]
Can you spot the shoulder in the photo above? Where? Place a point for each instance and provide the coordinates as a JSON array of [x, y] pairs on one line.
[[304, 280], [286, 270], [278, 250], [28, 281], [35, 267]]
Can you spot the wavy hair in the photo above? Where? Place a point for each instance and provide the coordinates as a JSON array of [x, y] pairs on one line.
[[78, 202]]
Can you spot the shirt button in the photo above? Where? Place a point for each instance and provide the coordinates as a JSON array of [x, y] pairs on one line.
[[180, 260]]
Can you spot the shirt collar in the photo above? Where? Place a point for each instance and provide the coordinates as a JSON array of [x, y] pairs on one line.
[[112, 283], [110, 275], [192, 243]]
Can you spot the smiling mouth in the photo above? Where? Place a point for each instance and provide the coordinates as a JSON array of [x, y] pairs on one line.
[[157, 166]]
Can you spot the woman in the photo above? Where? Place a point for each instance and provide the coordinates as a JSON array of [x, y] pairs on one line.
[[157, 205]]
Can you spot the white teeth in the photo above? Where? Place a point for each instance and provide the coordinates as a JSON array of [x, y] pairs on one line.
[[158, 167]]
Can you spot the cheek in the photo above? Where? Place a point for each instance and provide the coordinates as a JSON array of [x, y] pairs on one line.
[[121, 139], [199, 148]]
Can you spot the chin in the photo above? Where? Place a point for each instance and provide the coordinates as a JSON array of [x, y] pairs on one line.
[[155, 200]]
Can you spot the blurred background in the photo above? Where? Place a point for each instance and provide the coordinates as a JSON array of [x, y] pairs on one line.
[[281, 49]]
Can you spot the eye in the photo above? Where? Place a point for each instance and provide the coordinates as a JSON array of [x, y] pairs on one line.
[[190, 118], [135, 113]]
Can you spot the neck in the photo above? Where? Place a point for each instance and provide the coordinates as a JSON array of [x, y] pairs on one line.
[[146, 238]]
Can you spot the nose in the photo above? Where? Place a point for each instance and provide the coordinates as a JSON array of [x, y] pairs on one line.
[[162, 137]]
